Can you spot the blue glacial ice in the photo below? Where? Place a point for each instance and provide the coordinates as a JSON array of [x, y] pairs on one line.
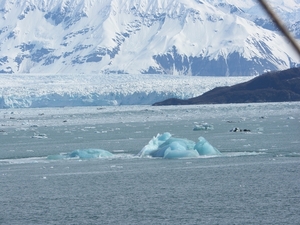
[[163, 146], [83, 154], [203, 147], [166, 146]]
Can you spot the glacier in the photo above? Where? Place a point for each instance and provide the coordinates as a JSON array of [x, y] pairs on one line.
[[178, 37], [168, 147], [38, 91]]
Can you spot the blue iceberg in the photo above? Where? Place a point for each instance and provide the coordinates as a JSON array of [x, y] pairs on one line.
[[168, 147], [83, 154], [203, 147]]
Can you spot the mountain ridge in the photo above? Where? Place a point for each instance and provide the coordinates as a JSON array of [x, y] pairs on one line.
[[118, 36]]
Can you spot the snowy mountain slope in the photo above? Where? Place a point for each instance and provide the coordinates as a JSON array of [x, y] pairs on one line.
[[287, 10], [189, 37]]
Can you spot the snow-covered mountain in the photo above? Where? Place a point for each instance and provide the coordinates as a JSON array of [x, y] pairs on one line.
[[188, 37]]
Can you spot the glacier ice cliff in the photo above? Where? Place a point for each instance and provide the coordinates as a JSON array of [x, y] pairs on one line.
[[35, 91]]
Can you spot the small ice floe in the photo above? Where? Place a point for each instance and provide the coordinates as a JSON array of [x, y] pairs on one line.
[[230, 121], [21, 129], [203, 126], [116, 166], [290, 118], [83, 154], [293, 154], [260, 129], [236, 129], [39, 136], [119, 151], [262, 149]]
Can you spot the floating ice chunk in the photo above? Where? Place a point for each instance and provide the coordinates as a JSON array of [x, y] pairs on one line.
[[203, 147], [293, 154], [39, 136], [175, 147], [83, 154], [154, 143], [203, 126], [290, 118], [165, 146], [236, 129], [90, 153], [260, 129]]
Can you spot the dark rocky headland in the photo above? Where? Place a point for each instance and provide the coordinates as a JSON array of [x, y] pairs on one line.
[[280, 86]]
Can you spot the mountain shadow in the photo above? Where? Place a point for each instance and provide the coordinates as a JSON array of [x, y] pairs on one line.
[[280, 86]]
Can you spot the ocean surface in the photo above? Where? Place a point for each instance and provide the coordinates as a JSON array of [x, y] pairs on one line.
[[256, 179]]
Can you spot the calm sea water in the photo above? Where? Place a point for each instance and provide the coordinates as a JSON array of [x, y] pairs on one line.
[[256, 180]]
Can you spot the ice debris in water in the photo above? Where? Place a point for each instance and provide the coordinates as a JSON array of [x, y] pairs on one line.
[[290, 118], [203, 126], [166, 146], [39, 136], [83, 154], [163, 145], [203, 147], [236, 129]]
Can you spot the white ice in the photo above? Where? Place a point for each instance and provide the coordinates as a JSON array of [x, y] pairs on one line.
[[83, 154], [36, 91]]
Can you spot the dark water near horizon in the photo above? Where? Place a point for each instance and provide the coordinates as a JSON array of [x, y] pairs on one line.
[[256, 180]]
